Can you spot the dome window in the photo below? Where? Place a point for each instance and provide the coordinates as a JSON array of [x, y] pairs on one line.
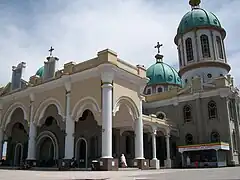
[[221, 74], [159, 89], [215, 21], [170, 77], [161, 115], [201, 19], [219, 47], [186, 80], [189, 49], [205, 46], [209, 75]]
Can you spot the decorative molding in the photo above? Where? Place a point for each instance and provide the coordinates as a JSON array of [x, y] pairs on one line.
[[129, 103], [39, 114], [8, 114], [83, 104], [32, 97], [223, 92]]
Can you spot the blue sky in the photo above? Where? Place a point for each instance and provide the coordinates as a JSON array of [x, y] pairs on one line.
[[79, 28]]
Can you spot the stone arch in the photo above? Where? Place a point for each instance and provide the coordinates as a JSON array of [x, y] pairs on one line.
[[8, 115], [39, 114], [129, 103], [50, 135], [83, 104]]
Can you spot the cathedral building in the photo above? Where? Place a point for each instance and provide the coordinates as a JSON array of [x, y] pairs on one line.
[[99, 109]]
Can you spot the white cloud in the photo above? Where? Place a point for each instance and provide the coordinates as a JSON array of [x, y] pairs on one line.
[[78, 29]]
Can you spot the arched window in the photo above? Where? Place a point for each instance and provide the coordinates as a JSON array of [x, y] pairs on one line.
[[187, 114], [219, 47], [234, 140], [205, 46], [215, 137], [212, 110], [189, 49], [230, 109], [188, 139], [159, 89]]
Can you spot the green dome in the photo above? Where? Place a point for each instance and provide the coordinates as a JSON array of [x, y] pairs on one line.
[[197, 18], [162, 73], [40, 72]]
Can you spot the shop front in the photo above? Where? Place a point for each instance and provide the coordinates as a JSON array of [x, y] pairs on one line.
[[204, 155]]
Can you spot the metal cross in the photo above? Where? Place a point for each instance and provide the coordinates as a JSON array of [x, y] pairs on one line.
[[158, 46], [51, 50]]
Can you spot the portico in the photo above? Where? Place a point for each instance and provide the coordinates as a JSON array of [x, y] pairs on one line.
[[90, 111]]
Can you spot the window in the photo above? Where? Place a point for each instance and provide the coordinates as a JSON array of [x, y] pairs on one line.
[[187, 113], [188, 139], [234, 140], [179, 55], [161, 115], [186, 81], [219, 47], [148, 91], [209, 76], [189, 49], [212, 110], [230, 109], [215, 137], [205, 46], [159, 89]]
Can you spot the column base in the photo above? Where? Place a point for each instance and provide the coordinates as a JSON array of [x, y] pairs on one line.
[[168, 163], [65, 164], [31, 163], [142, 164], [154, 164], [108, 164]]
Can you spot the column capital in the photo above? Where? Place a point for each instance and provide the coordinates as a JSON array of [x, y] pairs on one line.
[[106, 72], [67, 83], [32, 97]]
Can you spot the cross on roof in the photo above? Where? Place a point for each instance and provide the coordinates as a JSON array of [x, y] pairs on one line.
[[158, 46], [51, 50]]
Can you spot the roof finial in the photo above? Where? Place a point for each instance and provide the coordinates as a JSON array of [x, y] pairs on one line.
[[158, 56], [51, 50], [195, 3]]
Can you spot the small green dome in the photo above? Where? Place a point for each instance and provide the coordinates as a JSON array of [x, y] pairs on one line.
[[162, 73], [40, 72], [197, 18]]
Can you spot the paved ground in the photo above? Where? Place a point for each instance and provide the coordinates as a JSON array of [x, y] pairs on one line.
[[168, 174]]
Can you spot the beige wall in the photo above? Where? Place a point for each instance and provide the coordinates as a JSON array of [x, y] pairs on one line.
[[124, 88]]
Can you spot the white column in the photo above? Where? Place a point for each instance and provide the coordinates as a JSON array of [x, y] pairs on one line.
[[139, 134], [32, 141], [70, 128], [32, 133], [107, 120], [168, 161], [1, 142], [107, 76], [154, 145]]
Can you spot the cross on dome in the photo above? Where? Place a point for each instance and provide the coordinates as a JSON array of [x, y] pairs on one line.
[[51, 50], [158, 46]]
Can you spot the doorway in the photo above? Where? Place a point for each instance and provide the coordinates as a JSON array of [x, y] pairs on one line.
[[18, 155], [81, 153]]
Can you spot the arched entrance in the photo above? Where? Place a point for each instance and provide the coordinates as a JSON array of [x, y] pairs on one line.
[[18, 154], [47, 149], [81, 152]]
